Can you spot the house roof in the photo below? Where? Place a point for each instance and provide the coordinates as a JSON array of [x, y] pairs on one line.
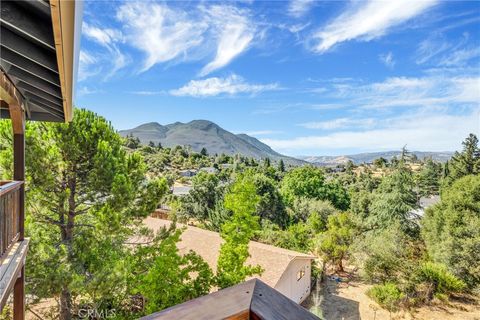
[[273, 260], [39, 50], [181, 190], [252, 299]]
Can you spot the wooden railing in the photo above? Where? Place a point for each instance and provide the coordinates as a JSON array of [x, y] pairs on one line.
[[9, 215]]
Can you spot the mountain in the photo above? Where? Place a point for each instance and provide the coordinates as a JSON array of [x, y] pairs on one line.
[[369, 157], [200, 134]]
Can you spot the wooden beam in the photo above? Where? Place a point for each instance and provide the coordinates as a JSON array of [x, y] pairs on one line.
[[8, 92], [17, 115], [19, 296], [63, 21]]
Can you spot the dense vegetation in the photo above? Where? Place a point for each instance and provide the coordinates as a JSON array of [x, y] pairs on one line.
[[89, 189]]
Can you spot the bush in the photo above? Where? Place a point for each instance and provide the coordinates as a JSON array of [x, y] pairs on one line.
[[439, 280], [387, 295]]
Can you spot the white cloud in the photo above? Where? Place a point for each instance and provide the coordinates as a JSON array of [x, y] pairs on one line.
[[107, 62], [424, 130], [216, 86], [236, 32], [437, 51], [162, 33], [339, 123], [86, 91], [103, 36], [387, 59], [87, 65], [366, 21], [262, 132], [431, 91], [298, 8], [148, 93], [460, 57], [430, 48]]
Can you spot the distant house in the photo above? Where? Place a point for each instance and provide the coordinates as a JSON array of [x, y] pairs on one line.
[[424, 203], [209, 170], [188, 173], [181, 190], [287, 271], [226, 165]]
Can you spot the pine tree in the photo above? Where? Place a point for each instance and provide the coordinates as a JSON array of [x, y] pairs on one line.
[[281, 166], [86, 195], [237, 233], [466, 162]]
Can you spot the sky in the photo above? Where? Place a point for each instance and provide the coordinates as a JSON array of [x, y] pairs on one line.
[[305, 77]]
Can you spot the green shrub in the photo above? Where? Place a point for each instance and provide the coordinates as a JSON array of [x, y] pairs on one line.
[[387, 295], [439, 279]]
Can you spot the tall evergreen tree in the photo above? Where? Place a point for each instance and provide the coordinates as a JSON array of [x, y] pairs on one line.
[[85, 197], [237, 232], [281, 166], [465, 162]]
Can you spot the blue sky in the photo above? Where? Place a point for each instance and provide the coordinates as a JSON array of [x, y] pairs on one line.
[[305, 77]]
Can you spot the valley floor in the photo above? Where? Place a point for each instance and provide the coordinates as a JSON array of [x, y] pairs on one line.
[[348, 301]]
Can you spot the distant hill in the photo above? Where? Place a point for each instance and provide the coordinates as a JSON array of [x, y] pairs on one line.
[[369, 157], [200, 134]]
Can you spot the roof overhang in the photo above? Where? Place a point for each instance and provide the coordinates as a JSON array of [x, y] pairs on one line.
[[38, 56]]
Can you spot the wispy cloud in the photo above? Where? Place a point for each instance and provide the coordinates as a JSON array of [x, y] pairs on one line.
[[428, 91], [87, 65], [107, 62], [148, 93], [387, 59], [298, 8], [83, 91], [162, 33], [339, 123], [236, 32], [366, 21], [460, 57], [103, 36], [262, 132], [165, 33], [231, 85], [426, 130]]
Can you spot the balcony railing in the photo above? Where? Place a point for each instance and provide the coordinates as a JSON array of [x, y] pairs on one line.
[[9, 215]]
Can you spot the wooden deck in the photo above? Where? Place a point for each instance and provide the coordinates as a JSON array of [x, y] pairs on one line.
[[11, 268], [252, 299], [13, 245]]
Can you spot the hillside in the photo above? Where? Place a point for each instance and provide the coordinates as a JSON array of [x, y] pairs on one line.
[[369, 157], [200, 134]]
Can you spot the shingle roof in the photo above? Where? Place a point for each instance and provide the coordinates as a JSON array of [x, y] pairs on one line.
[[273, 260]]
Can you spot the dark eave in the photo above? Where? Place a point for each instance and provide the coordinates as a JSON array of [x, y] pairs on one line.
[[35, 37]]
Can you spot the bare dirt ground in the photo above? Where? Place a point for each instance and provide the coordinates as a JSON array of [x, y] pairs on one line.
[[348, 301]]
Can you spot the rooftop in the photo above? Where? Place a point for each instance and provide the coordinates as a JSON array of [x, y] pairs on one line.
[[273, 260]]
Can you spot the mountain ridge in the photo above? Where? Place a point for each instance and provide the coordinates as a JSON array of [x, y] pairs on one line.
[[368, 157], [200, 134]]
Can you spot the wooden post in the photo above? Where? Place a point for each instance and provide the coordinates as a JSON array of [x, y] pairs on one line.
[[11, 96], [17, 114]]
